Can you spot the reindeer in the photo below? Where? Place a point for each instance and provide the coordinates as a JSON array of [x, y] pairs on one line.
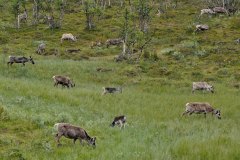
[[220, 10], [22, 17], [120, 121], [73, 132], [201, 107], [68, 36], [41, 48], [116, 41], [22, 59], [111, 90], [206, 11], [202, 86], [64, 81], [201, 27]]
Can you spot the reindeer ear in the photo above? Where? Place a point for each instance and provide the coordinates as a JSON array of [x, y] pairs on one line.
[[95, 138], [30, 56]]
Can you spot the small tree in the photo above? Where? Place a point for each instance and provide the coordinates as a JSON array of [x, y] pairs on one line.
[[37, 6], [89, 9], [17, 4], [143, 14], [230, 5], [55, 9]]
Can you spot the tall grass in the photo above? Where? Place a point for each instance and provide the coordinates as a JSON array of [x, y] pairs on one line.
[[155, 128]]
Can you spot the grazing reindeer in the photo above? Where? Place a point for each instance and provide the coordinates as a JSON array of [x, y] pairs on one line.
[[120, 121], [237, 41], [41, 48], [68, 36], [201, 27], [202, 86], [206, 11], [116, 41], [22, 17], [23, 60], [73, 132], [64, 81], [111, 90], [96, 44], [220, 10], [201, 107]]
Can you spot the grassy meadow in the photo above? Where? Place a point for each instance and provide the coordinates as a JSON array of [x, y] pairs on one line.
[[155, 89], [155, 128]]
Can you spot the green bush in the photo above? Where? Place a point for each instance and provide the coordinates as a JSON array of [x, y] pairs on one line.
[[3, 114], [200, 53], [4, 38]]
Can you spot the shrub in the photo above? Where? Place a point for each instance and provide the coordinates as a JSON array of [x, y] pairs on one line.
[[197, 75], [3, 114], [189, 44], [234, 23], [167, 51], [3, 38], [178, 55], [200, 53], [15, 154], [223, 72], [63, 117]]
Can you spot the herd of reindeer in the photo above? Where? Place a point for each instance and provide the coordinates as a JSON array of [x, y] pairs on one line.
[[77, 133], [74, 132]]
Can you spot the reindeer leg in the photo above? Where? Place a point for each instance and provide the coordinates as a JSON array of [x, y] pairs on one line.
[[190, 113], [81, 142], [74, 140], [186, 112], [120, 124], [58, 136], [103, 93], [205, 114]]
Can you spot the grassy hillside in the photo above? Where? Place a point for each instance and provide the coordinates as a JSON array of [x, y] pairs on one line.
[[155, 90], [155, 128]]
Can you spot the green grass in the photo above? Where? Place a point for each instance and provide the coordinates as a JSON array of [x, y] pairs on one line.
[[155, 90], [155, 128]]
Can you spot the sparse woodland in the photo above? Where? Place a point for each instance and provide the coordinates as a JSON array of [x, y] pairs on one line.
[[153, 50]]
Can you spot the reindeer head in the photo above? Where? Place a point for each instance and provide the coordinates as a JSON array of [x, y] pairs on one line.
[[74, 38], [112, 124], [210, 88], [217, 113], [92, 141], [31, 60], [72, 83]]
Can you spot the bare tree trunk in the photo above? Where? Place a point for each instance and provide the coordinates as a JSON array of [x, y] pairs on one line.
[[18, 21], [122, 1], [35, 12], [124, 48]]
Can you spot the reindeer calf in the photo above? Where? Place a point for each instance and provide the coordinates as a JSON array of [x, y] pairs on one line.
[[120, 121]]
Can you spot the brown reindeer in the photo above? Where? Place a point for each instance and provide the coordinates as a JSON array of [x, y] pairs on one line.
[[116, 41], [73, 132], [201, 107], [202, 86], [64, 81]]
